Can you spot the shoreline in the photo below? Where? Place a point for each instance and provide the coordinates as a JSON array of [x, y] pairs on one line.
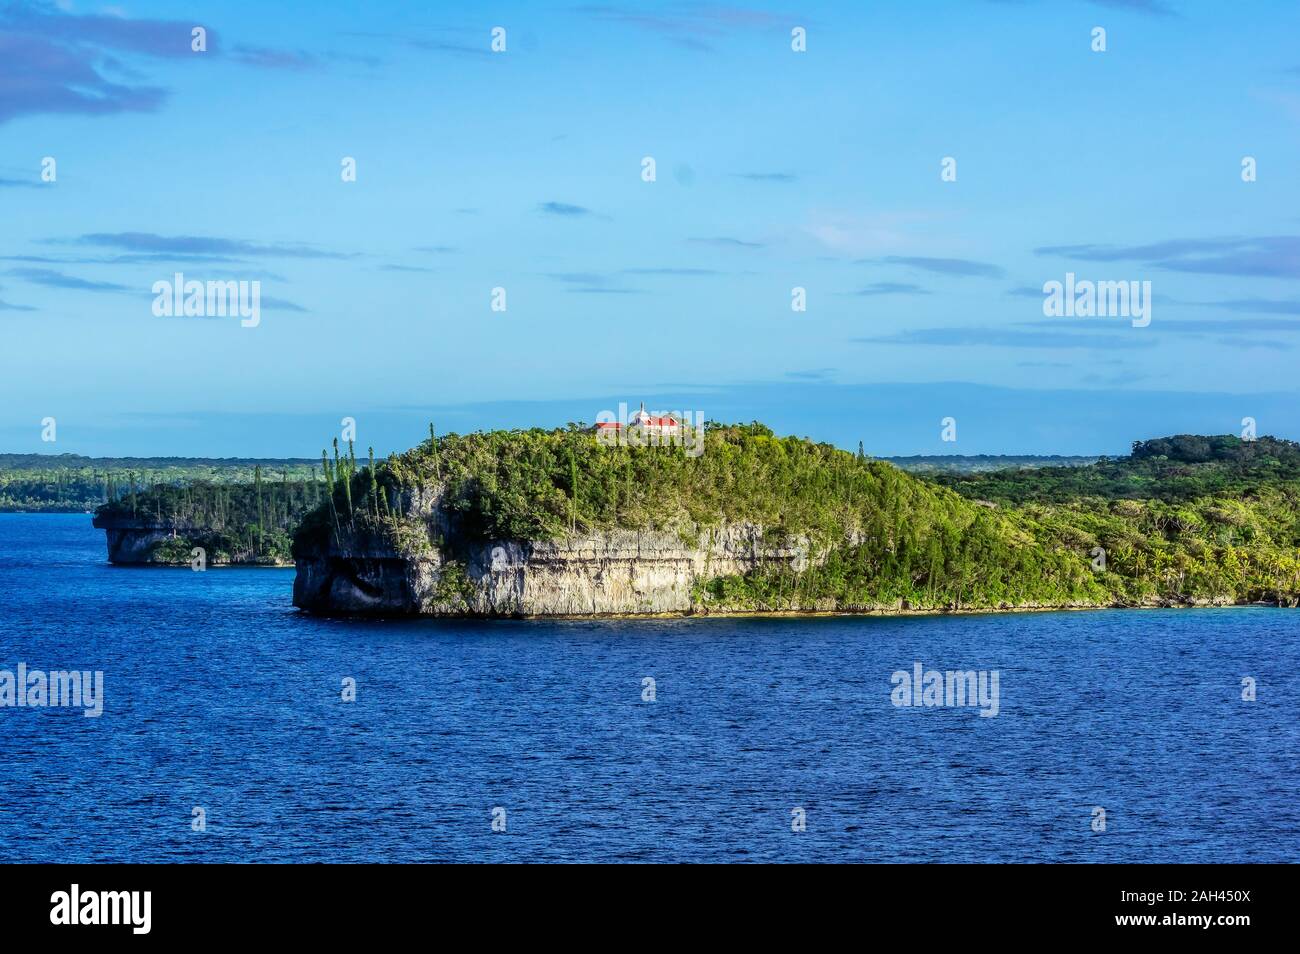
[[210, 566], [788, 614]]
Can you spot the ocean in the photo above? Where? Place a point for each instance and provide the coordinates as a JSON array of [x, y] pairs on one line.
[[225, 736]]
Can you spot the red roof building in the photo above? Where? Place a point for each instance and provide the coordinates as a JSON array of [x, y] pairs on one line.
[[643, 420]]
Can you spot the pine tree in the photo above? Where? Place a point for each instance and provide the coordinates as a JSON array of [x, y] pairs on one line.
[[374, 485], [257, 490], [347, 484], [328, 473], [573, 476]]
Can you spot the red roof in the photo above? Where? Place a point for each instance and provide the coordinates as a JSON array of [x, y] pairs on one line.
[[653, 421]]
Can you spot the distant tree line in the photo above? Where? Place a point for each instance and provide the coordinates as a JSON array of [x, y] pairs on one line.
[[70, 483]]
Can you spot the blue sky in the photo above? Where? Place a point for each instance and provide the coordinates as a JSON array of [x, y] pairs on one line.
[[522, 169]]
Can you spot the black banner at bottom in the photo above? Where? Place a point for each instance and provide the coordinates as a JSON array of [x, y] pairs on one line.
[[335, 903]]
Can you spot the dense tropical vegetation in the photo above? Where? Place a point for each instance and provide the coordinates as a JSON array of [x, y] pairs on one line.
[[1181, 468], [1182, 520]]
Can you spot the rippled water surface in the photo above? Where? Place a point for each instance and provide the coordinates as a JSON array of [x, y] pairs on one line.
[[218, 694]]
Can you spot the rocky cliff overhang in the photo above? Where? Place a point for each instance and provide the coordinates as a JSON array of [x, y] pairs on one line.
[[142, 522], [135, 540]]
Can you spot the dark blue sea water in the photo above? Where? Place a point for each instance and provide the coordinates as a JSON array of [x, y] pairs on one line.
[[218, 694]]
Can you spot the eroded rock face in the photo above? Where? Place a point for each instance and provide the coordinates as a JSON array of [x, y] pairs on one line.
[[615, 573], [133, 546], [353, 585], [612, 573], [132, 541]]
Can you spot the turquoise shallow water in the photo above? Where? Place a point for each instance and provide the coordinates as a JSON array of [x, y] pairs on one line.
[[218, 694]]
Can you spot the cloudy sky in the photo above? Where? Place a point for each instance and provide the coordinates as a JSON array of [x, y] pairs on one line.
[[523, 170]]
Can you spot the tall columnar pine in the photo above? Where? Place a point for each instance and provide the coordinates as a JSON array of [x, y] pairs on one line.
[[573, 482], [350, 460], [257, 490], [328, 472], [339, 472], [433, 449], [374, 486], [393, 509]]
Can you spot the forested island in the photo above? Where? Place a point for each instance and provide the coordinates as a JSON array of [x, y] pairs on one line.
[[539, 523], [158, 509], [232, 523], [555, 522]]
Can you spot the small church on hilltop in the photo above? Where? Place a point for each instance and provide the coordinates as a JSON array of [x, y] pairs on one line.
[[643, 421]]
